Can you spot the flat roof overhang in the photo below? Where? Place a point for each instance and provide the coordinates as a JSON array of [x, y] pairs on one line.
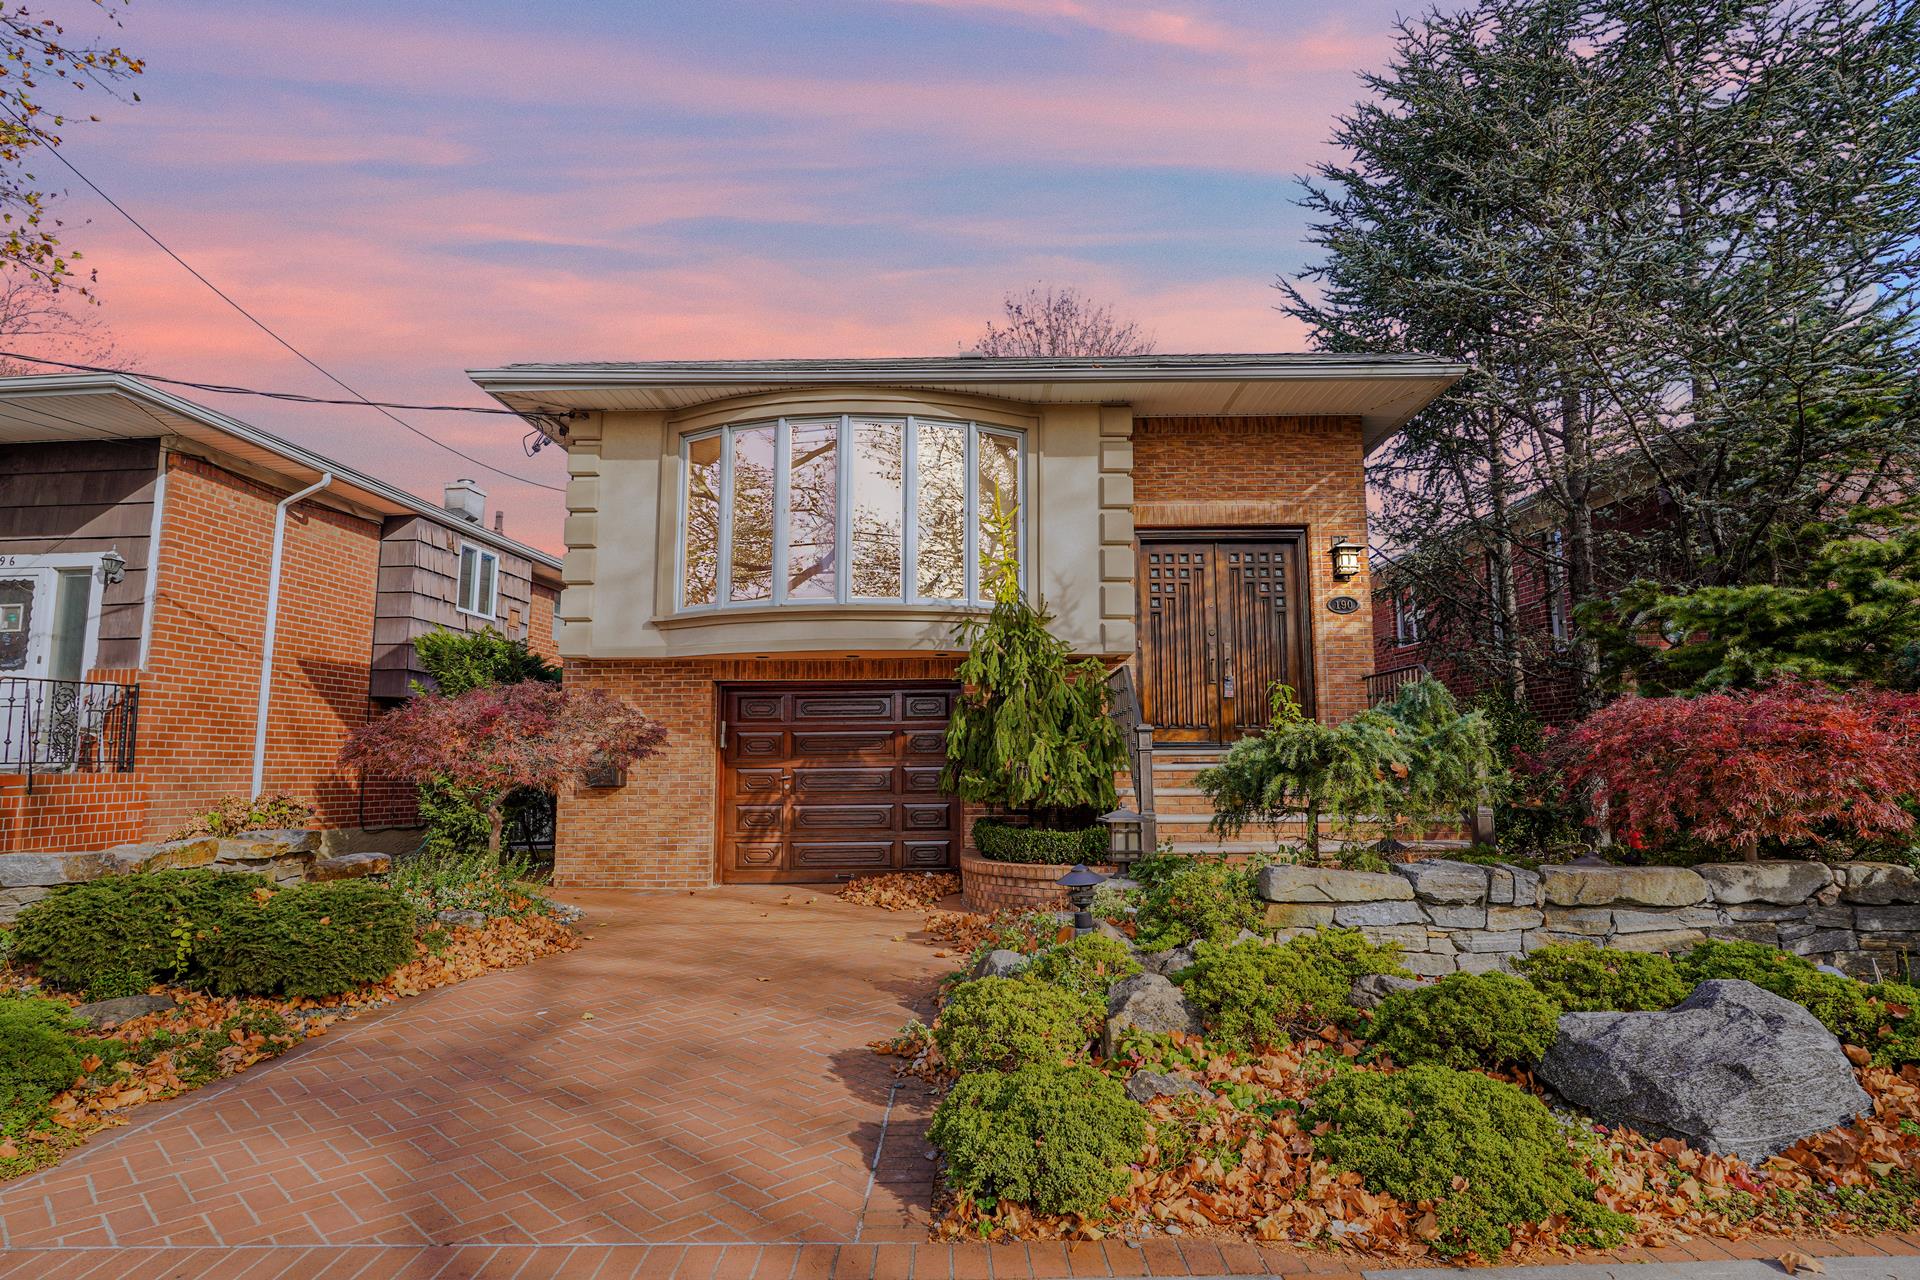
[[1384, 392]]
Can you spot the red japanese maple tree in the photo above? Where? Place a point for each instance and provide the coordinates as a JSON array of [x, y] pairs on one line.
[[1791, 762], [493, 740]]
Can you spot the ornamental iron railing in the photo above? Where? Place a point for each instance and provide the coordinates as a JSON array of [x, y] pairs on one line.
[[1382, 685], [67, 726]]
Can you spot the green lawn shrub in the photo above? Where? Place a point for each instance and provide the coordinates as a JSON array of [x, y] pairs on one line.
[[503, 884], [40, 1055], [119, 935], [1193, 899], [1882, 1017], [1583, 978], [309, 940], [1487, 1155], [1004, 842], [1086, 966], [1058, 1138], [1003, 1024], [1465, 1020], [1250, 993]]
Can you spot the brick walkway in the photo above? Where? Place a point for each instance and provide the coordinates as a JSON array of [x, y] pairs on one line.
[[717, 1116]]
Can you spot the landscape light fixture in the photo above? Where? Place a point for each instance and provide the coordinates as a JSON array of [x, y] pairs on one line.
[[1125, 837], [1080, 884]]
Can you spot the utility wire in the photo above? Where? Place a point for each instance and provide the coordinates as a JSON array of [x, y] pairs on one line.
[[255, 320]]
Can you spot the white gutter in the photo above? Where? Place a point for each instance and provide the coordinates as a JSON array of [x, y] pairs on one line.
[[273, 627], [151, 595]]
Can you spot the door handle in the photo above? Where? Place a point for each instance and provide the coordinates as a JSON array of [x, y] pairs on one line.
[[1213, 656]]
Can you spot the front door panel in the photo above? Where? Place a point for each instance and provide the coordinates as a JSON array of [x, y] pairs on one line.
[[1220, 623]]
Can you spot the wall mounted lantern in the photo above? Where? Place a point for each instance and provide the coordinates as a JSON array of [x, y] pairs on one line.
[[113, 567], [1349, 558]]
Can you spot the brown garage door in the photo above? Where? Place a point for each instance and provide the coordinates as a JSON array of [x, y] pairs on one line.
[[824, 782]]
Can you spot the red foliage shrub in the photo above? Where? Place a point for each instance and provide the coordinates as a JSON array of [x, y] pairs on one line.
[[494, 739], [1790, 762]]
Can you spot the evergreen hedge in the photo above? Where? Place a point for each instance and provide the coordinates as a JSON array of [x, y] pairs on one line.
[[1003, 842]]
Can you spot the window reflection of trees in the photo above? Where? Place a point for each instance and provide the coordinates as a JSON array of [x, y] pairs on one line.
[[751, 560], [940, 470], [879, 465], [703, 521], [813, 487]]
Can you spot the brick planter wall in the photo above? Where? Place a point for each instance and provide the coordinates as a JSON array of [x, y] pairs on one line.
[[990, 886], [1448, 917]]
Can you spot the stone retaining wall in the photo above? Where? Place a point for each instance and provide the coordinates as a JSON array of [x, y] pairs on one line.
[[285, 856], [990, 886], [1452, 917]]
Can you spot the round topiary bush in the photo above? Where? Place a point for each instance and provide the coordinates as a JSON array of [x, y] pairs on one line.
[[1003, 1024], [1465, 1020], [309, 940], [1003, 842], [118, 935], [1488, 1156], [1087, 965], [1058, 1138], [1583, 978]]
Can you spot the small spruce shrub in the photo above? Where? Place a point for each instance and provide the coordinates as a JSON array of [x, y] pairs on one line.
[[1488, 1156], [1465, 1020], [118, 935], [309, 940], [1086, 966], [1250, 993], [1003, 842], [1192, 899], [39, 1056], [1003, 1024], [1058, 1138], [1583, 978]]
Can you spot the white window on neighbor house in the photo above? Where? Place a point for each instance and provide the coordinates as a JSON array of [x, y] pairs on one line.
[[848, 509], [479, 580], [1406, 618], [1556, 585]]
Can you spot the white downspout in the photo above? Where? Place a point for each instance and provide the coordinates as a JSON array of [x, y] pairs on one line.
[[273, 626]]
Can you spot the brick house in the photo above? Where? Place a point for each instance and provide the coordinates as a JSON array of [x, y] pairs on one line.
[[772, 557], [138, 572]]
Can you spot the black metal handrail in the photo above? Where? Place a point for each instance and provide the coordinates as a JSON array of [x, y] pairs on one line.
[[1382, 685], [67, 726]]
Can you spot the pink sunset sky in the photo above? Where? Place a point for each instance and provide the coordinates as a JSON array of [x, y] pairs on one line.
[[410, 191]]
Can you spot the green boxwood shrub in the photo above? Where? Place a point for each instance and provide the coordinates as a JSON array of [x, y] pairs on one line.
[[1250, 993], [1003, 1024], [1086, 966], [1193, 899], [1583, 978], [1004, 842], [309, 940], [1465, 1020], [1058, 1138], [1487, 1155], [39, 1056], [118, 935]]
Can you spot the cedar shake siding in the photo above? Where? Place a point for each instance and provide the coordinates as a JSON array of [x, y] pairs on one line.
[[419, 590], [89, 497]]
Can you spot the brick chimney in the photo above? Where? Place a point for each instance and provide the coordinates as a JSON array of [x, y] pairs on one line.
[[467, 500]]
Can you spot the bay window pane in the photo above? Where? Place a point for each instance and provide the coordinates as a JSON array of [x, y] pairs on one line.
[[878, 493], [813, 502], [940, 511], [998, 459], [702, 548], [750, 559]]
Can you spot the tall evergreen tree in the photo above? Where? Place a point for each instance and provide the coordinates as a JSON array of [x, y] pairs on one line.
[[1675, 238]]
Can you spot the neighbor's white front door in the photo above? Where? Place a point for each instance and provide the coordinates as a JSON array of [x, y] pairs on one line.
[[44, 633]]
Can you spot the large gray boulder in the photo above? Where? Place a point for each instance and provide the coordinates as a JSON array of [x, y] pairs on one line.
[[1144, 1086], [1731, 1069], [111, 1013], [1370, 989], [1000, 963], [1150, 1003], [1169, 962]]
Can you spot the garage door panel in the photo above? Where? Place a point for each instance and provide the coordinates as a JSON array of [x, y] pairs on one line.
[[816, 781], [825, 782]]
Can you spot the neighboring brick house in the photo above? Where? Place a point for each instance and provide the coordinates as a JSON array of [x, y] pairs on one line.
[[772, 558], [137, 534]]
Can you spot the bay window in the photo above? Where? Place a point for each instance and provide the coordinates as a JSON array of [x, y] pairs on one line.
[[848, 509]]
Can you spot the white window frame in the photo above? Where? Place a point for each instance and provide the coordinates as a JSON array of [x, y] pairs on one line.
[[482, 556], [1556, 586], [1406, 618], [843, 513]]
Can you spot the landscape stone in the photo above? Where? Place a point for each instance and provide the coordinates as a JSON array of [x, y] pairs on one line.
[[1149, 1003], [1293, 915], [1168, 962], [1458, 917], [1526, 886], [1822, 941], [1442, 880], [1483, 941], [1877, 917], [111, 1013], [1627, 920], [1407, 937], [1370, 989], [1324, 884], [1753, 913], [1780, 883], [346, 866], [1514, 918], [1486, 961], [1595, 923], [1731, 1069], [1144, 1086], [1500, 886], [1670, 940], [998, 963], [1429, 966], [1878, 883], [1576, 886], [454, 918], [32, 870], [1362, 913], [1756, 931]]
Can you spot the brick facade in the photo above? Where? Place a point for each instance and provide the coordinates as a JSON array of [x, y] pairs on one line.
[[1304, 473]]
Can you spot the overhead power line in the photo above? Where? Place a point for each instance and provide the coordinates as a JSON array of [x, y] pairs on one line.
[[309, 361]]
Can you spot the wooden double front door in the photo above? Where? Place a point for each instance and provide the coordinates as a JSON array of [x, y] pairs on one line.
[[821, 782], [1221, 621]]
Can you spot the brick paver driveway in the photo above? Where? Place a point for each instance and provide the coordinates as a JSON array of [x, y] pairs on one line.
[[718, 1115]]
